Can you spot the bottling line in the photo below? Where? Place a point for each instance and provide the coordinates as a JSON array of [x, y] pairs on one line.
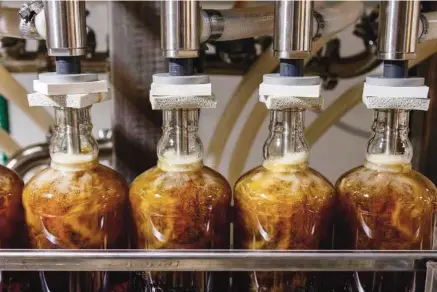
[[76, 225]]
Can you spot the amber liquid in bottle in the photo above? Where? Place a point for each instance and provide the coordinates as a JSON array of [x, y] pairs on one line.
[[283, 205], [385, 205], [76, 203], [13, 232], [180, 204]]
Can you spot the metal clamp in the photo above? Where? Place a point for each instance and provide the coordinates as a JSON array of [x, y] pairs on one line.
[[216, 22], [425, 28], [320, 25], [27, 13]]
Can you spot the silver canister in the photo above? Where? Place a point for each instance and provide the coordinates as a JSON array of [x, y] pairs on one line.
[[398, 28], [180, 28], [293, 29], [66, 27]]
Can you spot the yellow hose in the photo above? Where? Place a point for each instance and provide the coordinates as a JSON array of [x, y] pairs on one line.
[[13, 91], [265, 64], [326, 119], [7, 144], [333, 113]]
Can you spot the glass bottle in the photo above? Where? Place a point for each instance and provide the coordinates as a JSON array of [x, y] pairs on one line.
[[385, 204], [76, 203], [181, 204], [13, 232], [282, 205]]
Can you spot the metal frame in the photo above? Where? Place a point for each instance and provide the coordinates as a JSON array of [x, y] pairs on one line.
[[431, 277], [220, 260]]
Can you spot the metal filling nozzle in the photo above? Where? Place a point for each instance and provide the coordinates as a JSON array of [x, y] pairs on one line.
[[66, 27], [398, 28], [66, 40], [293, 29], [180, 28]]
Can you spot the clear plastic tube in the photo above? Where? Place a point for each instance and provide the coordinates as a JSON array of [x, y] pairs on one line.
[[247, 22], [258, 21]]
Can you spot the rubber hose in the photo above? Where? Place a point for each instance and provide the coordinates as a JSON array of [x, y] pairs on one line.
[[8, 145], [14, 92], [265, 64]]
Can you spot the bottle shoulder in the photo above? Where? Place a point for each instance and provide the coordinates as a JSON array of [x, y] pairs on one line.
[[99, 184], [363, 182], [157, 181], [299, 182]]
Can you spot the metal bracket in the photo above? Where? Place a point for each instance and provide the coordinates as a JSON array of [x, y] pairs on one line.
[[27, 14], [431, 277]]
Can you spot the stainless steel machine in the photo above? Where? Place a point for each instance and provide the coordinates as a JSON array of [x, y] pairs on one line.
[[144, 43]]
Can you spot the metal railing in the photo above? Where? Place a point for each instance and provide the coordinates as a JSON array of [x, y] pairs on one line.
[[219, 260]]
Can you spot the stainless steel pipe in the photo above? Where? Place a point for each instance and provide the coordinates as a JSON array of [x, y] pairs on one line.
[[218, 260], [398, 28], [180, 28], [66, 27], [293, 29]]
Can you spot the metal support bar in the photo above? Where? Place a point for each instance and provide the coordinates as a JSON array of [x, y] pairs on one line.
[[139, 260], [431, 277]]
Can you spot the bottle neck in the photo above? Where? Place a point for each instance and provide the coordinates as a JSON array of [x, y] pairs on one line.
[[72, 145], [389, 147], [286, 145], [180, 147]]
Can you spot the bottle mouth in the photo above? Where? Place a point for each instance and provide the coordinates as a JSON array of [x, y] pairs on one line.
[[388, 162], [73, 162], [288, 161]]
